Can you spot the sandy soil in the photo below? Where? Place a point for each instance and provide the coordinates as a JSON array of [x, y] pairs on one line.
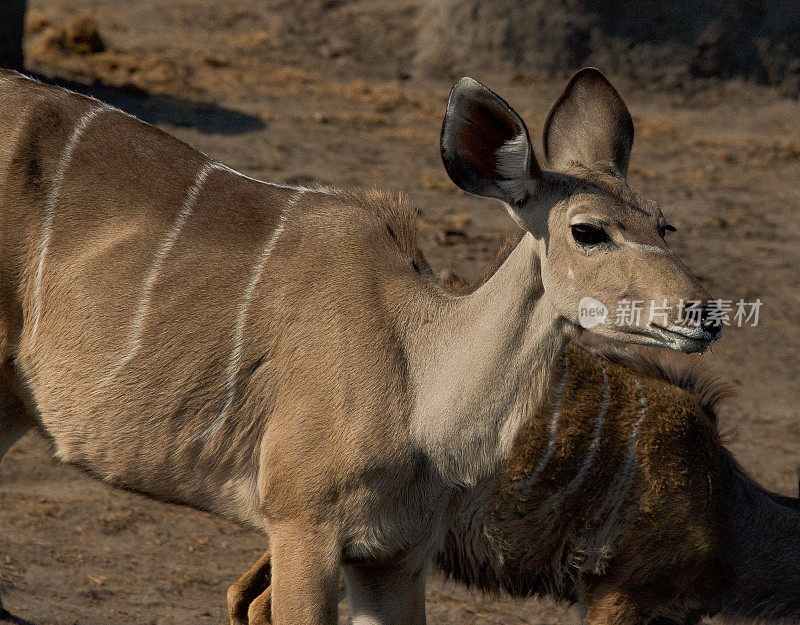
[[275, 89]]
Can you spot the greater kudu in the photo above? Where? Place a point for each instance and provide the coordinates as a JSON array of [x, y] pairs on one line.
[[283, 356]]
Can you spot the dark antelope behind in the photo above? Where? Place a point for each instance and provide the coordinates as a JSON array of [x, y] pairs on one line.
[[283, 356], [619, 496]]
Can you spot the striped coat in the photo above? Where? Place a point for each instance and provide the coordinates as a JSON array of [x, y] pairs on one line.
[[620, 497], [148, 293], [613, 483]]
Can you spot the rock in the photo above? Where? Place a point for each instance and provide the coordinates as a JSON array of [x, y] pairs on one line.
[[82, 35], [460, 220]]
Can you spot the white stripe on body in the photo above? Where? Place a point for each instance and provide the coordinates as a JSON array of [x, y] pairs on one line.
[[274, 184], [167, 243], [111, 107], [49, 210], [616, 496], [599, 547], [577, 481], [551, 443], [235, 360]]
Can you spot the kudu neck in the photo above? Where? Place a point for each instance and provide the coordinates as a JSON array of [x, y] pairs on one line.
[[509, 313], [477, 358]]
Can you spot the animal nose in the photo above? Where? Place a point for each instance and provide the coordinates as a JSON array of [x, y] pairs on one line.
[[711, 321]]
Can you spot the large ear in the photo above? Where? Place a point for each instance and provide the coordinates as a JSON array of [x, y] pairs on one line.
[[589, 124], [485, 145]]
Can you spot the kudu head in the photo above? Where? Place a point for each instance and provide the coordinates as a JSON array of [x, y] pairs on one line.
[[601, 251]]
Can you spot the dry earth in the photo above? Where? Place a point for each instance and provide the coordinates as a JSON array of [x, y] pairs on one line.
[[320, 91]]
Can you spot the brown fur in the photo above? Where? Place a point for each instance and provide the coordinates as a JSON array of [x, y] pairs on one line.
[[665, 561], [673, 450], [670, 554]]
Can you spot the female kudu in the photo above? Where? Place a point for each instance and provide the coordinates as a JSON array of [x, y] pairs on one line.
[[284, 356]]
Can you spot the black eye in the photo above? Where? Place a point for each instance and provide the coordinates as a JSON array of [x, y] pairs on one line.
[[588, 234]]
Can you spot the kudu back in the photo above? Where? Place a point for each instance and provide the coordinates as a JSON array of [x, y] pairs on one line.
[[284, 356]]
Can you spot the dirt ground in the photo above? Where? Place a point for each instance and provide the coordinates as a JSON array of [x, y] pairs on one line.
[[275, 89]]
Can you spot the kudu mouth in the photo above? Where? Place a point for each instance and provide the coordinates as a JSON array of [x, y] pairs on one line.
[[693, 334], [687, 339]]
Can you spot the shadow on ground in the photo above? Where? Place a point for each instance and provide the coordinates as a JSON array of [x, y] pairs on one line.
[[204, 117], [7, 617]]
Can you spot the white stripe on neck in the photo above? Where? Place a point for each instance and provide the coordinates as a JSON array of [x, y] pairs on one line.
[[577, 481], [599, 547], [551, 443]]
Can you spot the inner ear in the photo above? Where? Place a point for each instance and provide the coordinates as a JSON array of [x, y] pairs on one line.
[[489, 130], [589, 125], [485, 145]]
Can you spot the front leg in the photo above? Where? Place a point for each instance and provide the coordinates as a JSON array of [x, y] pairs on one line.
[[260, 610], [386, 594], [250, 597], [606, 605], [380, 595], [305, 573]]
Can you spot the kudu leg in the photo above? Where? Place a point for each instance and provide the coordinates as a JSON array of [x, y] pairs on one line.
[[247, 588], [379, 594], [260, 611], [609, 606], [606, 605], [12, 426], [252, 595], [386, 594], [305, 572]]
